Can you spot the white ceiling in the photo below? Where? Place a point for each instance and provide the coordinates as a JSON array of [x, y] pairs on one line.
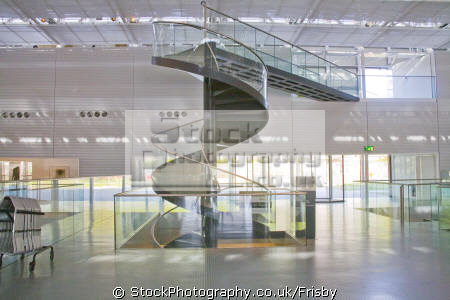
[[381, 13]]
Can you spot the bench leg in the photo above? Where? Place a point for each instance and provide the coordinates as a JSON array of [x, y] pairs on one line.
[[33, 262]]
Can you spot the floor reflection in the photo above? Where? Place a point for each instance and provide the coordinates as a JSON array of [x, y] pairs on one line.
[[363, 255]]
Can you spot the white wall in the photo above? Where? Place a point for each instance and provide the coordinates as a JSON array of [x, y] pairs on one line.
[[59, 83]]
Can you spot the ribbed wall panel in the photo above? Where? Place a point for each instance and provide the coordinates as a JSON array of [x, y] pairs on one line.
[[443, 92], [119, 79]]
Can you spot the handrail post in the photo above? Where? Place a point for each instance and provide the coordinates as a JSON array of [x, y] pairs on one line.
[[204, 17], [402, 206]]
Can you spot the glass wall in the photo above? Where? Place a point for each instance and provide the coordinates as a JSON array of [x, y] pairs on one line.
[[352, 173], [342, 172], [386, 73], [15, 170], [337, 177], [378, 165], [414, 166], [398, 74], [322, 177]]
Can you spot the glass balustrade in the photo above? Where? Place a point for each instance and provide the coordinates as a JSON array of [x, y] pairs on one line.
[[233, 218], [380, 198], [285, 56], [413, 200], [444, 207], [70, 205], [208, 50]]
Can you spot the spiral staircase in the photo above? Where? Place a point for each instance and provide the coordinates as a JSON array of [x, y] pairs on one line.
[[235, 80]]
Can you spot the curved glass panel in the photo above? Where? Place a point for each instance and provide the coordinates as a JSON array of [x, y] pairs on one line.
[[210, 51]]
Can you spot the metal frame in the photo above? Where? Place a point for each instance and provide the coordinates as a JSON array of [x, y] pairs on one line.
[[34, 251]]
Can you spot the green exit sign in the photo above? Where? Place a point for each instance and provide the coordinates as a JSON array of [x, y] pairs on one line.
[[369, 148]]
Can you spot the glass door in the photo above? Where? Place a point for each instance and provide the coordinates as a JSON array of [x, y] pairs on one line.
[[352, 173], [322, 177], [378, 166], [337, 177], [260, 169]]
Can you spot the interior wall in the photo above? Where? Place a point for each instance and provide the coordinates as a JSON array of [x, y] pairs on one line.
[[55, 85], [443, 107]]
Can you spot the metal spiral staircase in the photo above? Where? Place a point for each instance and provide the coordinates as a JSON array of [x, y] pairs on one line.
[[236, 75]]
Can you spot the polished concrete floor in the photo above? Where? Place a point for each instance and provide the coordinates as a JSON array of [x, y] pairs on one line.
[[363, 256]]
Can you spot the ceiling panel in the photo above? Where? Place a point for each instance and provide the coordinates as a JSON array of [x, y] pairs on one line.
[[310, 34]]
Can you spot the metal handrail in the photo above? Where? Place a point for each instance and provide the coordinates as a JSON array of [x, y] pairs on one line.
[[54, 178], [177, 155], [268, 193], [156, 223], [203, 3], [397, 183]]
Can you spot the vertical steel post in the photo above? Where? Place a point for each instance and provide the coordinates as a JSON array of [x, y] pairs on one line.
[[402, 206], [205, 13], [91, 191]]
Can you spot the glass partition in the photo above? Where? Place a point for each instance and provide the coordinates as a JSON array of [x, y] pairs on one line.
[[70, 204], [422, 202], [61, 203], [381, 198], [412, 200], [444, 207], [337, 177], [235, 218]]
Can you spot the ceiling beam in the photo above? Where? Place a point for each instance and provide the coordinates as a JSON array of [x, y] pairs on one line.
[[308, 15], [398, 17], [66, 25], [18, 35], [35, 25], [447, 42], [115, 7], [278, 11]]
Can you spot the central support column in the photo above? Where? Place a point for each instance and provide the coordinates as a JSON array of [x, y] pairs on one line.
[[210, 136]]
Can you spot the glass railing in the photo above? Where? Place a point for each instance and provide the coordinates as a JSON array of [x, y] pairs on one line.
[[444, 207], [409, 200], [381, 198], [62, 203], [202, 47], [282, 54], [232, 218], [70, 205], [186, 191]]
